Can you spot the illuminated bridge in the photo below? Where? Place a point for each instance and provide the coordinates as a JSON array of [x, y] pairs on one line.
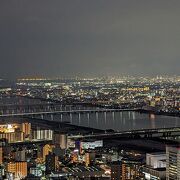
[[145, 133], [51, 112]]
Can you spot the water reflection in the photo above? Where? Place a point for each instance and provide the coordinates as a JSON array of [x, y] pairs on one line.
[[120, 121], [109, 120]]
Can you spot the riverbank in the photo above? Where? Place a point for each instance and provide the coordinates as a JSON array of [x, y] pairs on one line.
[[159, 113]]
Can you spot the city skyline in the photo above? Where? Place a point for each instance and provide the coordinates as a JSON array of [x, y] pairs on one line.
[[82, 38], [84, 128], [89, 90]]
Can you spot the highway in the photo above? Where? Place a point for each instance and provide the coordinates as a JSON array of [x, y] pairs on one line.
[[145, 133]]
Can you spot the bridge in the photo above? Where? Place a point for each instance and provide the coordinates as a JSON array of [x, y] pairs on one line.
[[65, 112], [17, 106], [33, 106], [145, 133]]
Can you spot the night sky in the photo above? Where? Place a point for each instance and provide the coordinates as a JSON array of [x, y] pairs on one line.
[[57, 38]]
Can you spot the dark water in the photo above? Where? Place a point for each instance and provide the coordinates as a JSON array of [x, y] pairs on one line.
[[120, 121]]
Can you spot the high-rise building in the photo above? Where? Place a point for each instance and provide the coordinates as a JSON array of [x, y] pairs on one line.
[[46, 150], [131, 169], [155, 167], [12, 136], [26, 129], [173, 162], [74, 157], [89, 158], [43, 134], [116, 170], [19, 169], [20, 155], [51, 163], [2, 171], [1, 155], [60, 140], [156, 160]]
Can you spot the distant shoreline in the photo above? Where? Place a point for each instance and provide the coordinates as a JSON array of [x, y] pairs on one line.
[[159, 113]]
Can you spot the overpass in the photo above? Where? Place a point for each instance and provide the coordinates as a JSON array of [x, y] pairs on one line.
[[143, 133], [65, 112]]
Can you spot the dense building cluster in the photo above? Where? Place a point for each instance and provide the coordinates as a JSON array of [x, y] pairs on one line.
[[44, 146], [160, 94], [47, 154]]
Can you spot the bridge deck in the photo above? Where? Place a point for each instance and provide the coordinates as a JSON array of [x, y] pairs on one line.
[[150, 132], [65, 112]]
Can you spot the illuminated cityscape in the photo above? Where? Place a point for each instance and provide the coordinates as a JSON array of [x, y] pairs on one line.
[[89, 90], [89, 128]]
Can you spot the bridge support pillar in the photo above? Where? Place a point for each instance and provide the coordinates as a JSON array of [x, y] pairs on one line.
[[105, 116], [52, 117], [71, 117], [113, 115], [79, 118], [88, 116], [97, 117]]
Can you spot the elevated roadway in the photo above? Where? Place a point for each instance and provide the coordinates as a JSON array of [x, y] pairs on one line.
[[143, 133]]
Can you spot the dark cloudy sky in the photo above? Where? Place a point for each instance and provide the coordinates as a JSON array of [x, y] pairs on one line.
[[89, 37]]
